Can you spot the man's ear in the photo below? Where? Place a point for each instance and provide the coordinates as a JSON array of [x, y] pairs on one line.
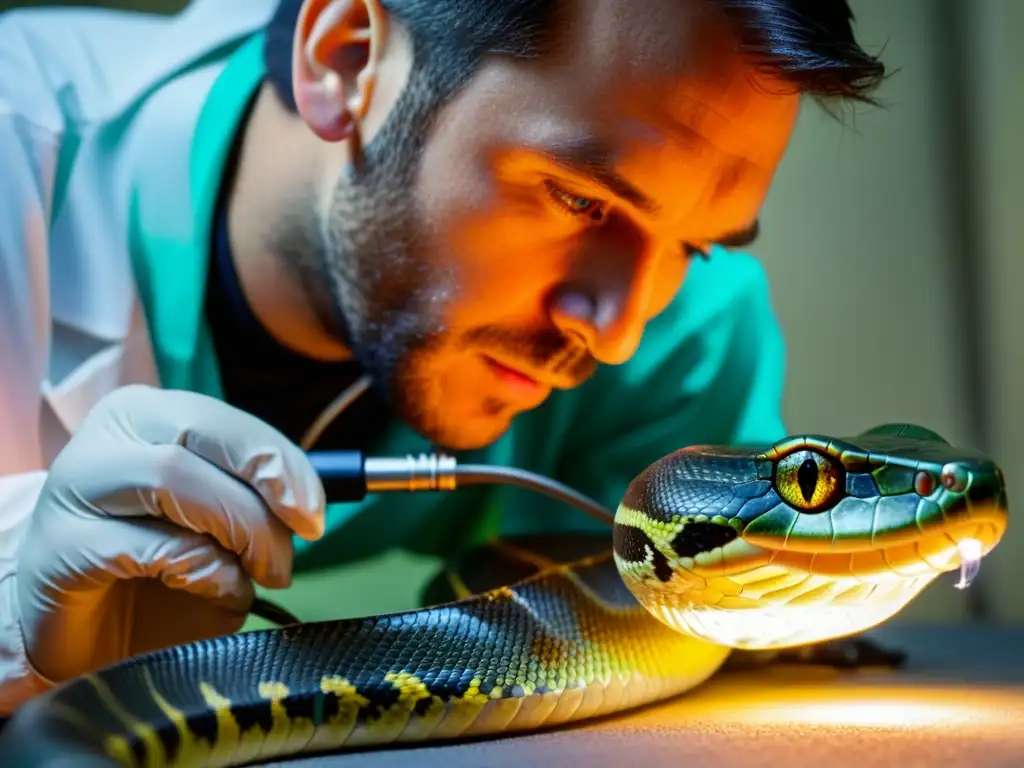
[[336, 53]]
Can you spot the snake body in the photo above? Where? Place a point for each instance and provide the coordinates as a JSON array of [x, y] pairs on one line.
[[713, 548]]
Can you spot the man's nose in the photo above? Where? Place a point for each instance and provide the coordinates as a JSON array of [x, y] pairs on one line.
[[606, 300]]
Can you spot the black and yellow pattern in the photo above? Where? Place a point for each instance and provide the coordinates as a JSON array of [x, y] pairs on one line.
[[564, 645], [713, 549]]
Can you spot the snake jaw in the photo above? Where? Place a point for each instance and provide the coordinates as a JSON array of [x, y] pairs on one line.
[[754, 597], [749, 596]]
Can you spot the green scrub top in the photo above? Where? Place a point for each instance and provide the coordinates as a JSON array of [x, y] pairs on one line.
[[709, 369]]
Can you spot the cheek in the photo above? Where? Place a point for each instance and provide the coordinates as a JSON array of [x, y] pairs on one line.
[[503, 246], [506, 271]]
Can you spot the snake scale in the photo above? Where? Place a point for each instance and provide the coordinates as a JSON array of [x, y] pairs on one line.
[[713, 549]]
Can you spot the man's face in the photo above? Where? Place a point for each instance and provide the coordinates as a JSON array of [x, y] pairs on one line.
[[551, 213]]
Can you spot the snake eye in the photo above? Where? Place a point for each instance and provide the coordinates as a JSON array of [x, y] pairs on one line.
[[808, 481]]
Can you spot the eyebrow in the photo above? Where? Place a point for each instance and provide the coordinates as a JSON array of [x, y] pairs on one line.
[[593, 160], [586, 157]]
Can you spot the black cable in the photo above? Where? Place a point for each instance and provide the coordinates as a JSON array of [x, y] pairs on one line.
[[348, 476], [482, 474], [272, 612]]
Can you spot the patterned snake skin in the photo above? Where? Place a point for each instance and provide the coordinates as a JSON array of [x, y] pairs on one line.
[[713, 549]]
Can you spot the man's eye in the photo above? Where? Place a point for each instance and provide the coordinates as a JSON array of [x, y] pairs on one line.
[[575, 204]]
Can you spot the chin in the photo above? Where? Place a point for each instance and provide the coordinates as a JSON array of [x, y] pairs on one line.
[[472, 435], [466, 432]]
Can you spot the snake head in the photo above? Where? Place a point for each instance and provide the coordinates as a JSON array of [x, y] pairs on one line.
[[808, 539]]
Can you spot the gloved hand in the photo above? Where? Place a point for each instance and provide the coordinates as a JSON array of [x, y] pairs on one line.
[[152, 525]]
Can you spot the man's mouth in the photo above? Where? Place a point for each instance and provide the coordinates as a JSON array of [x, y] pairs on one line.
[[515, 379]]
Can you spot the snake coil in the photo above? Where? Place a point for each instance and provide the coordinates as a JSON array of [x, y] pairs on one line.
[[713, 549]]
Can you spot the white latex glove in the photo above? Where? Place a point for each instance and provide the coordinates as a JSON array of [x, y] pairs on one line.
[[153, 523]]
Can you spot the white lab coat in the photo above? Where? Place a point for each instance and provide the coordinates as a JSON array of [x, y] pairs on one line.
[[71, 324]]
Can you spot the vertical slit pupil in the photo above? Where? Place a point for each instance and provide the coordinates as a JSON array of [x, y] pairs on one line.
[[807, 478]]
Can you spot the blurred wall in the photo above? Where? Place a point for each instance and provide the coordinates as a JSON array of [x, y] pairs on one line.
[[890, 241], [994, 43], [860, 238], [890, 245]]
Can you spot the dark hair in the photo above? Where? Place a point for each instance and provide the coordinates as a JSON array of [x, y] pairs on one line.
[[806, 44]]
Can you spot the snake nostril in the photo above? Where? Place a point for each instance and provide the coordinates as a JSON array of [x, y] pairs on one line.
[[924, 483]]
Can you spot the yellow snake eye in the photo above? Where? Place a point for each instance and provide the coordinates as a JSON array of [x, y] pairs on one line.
[[808, 481]]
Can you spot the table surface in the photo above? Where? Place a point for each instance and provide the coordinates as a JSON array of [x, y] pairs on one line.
[[959, 701]]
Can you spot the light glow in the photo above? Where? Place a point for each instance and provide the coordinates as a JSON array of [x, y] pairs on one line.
[[782, 625], [970, 552], [787, 715], [785, 697]]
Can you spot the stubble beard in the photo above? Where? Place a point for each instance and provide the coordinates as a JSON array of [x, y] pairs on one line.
[[365, 260], [387, 295]]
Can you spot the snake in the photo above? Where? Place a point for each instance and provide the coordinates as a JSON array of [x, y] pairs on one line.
[[714, 550]]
